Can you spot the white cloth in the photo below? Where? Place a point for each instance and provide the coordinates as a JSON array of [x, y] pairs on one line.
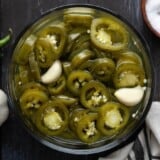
[[153, 134]]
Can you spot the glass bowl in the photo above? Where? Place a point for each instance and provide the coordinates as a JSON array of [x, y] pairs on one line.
[[74, 146]]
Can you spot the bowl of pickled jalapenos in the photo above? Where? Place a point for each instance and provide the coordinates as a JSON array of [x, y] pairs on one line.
[[80, 79]]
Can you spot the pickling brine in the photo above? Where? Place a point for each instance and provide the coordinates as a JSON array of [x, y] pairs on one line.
[[67, 70]]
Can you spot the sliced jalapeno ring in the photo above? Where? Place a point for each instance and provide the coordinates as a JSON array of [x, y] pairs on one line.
[[103, 69], [129, 57], [82, 42], [77, 79], [76, 19], [35, 70], [22, 76], [56, 35], [44, 53], [107, 34], [128, 75], [67, 68], [93, 94], [75, 117], [67, 100], [31, 100], [58, 86], [81, 58], [52, 118], [112, 117], [87, 130], [21, 57], [34, 85]]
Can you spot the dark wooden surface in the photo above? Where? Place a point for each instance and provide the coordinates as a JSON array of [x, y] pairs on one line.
[[16, 143]]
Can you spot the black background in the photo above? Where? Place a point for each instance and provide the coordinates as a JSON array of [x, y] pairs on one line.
[[16, 143]]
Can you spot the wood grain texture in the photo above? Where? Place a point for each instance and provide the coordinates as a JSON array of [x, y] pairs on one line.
[[16, 143]]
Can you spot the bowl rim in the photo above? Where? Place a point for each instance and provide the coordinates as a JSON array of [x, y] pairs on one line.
[[106, 148], [146, 20]]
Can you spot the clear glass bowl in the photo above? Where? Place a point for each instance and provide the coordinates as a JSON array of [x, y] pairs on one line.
[[75, 146]]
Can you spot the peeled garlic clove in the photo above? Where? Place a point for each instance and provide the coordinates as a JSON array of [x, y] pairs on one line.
[[53, 73], [4, 111], [130, 96]]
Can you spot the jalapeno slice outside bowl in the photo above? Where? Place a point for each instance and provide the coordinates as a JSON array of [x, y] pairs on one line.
[[132, 39]]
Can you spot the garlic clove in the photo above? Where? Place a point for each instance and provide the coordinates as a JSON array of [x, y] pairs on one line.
[[130, 96], [53, 73], [4, 111]]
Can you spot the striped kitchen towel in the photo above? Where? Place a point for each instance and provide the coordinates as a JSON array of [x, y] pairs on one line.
[[147, 143]]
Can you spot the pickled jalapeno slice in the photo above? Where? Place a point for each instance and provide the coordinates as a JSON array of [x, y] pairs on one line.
[[25, 49], [82, 42], [107, 34], [68, 100], [129, 75], [75, 117], [112, 117], [67, 68], [34, 85], [76, 18], [73, 36], [56, 36], [44, 52], [31, 100], [58, 86], [34, 67], [129, 57], [22, 76], [103, 69], [81, 58], [52, 118], [77, 79], [93, 94], [86, 129]]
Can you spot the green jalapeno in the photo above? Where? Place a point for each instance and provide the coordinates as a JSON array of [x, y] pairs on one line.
[[82, 42], [112, 117], [33, 85], [35, 70], [101, 53], [44, 52], [81, 58], [75, 117], [77, 79], [75, 18], [73, 35], [21, 57], [107, 34], [23, 73], [6, 39], [31, 100], [76, 32], [52, 118], [93, 94], [58, 86], [67, 68], [67, 100], [129, 57], [128, 75], [22, 76], [56, 35], [102, 69], [86, 129]]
